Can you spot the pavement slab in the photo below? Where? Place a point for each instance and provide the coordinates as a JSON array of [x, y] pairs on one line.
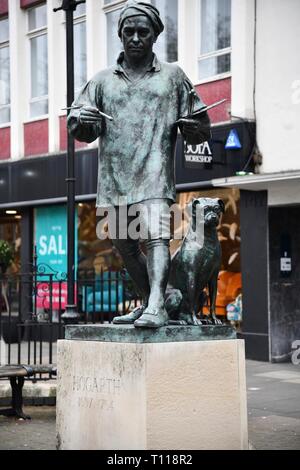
[[35, 434], [273, 395]]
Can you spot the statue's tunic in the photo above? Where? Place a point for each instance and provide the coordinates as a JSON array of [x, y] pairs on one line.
[[136, 149]]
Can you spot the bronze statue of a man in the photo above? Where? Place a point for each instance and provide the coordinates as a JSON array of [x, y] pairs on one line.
[[145, 97]]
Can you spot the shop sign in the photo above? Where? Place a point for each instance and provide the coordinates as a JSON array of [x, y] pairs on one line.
[[285, 264], [285, 255], [233, 141], [59, 295], [51, 247], [198, 154]]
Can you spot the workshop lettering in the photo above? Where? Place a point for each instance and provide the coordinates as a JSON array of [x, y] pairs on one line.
[[199, 153]]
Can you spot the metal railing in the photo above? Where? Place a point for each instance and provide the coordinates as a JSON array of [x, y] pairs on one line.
[[31, 306]]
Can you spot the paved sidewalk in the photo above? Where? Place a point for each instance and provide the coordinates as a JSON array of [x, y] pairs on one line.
[[35, 434], [273, 410], [273, 392]]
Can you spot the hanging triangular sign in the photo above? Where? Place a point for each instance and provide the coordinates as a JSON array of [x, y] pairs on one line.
[[233, 141]]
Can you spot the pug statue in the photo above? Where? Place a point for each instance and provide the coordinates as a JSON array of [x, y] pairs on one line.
[[196, 265]]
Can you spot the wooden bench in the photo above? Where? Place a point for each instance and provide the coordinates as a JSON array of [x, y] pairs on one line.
[[16, 375]]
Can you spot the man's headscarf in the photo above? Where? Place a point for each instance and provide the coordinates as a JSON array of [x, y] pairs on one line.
[[133, 8]]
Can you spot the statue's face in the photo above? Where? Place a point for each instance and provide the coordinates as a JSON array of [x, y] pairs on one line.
[[138, 36]]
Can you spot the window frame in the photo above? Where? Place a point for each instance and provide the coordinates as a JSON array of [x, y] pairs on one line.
[[176, 62], [78, 20], [209, 55], [81, 18], [109, 8], [31, 34], [3, 45], [114, 5]]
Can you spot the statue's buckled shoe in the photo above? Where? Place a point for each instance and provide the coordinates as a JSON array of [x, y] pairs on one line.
[[155, 319], [130, 318]]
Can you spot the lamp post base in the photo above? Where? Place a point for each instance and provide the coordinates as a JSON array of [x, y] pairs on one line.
[[71, 316]]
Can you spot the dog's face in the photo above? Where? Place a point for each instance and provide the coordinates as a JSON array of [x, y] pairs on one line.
[[210, 209]]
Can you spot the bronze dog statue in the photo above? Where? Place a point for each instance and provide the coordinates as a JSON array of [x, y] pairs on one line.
[[196, 265]]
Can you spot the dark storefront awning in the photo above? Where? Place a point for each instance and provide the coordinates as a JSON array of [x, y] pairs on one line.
[[41, 180], [198, 165]]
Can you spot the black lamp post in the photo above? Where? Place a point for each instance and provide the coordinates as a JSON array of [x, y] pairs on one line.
[[71, 315]]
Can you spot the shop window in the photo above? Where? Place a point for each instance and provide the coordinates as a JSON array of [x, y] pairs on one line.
[[97, 256], [94, 255], [229, 283], [10, 231], [215, 38], [4, 72], [99, 260], [167, 44], [37, 33]]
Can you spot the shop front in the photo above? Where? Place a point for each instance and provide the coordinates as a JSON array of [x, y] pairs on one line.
[[270, 227]]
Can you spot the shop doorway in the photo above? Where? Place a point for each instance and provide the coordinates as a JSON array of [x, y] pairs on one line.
[[284, 275]]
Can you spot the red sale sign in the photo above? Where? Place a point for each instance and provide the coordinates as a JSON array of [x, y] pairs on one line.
[[59, 295]]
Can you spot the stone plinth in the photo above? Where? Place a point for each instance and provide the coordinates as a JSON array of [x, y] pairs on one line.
[[169, 394]]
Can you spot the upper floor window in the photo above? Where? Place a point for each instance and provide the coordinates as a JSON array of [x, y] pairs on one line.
[[215, 38], [80, 10], [113, 43], [167, 43], [80, 56], [4, 72], [37, 33]]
